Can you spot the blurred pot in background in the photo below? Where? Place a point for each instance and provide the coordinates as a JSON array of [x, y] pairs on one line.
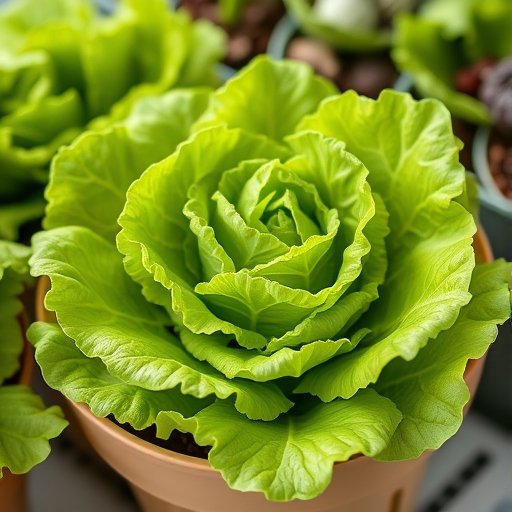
[[347, 41]]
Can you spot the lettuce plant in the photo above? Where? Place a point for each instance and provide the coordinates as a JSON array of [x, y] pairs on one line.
[[25, 425], [63, 67], [448, 35], [293, 284], [338, 32]]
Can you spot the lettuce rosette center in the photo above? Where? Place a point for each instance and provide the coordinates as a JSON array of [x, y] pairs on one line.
[[271, 244], [289, 284]]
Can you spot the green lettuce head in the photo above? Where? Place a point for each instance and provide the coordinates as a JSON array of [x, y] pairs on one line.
[[448, 35], [298, 273], [25, 424], [63, 67]]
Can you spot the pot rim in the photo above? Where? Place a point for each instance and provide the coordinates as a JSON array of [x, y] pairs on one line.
[[490, 195], [167, 456]]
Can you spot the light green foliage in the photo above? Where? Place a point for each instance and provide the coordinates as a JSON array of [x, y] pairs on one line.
[[25, 425], [13, 274], [65, 67], [445, 36], [342, 38], [280, 282]]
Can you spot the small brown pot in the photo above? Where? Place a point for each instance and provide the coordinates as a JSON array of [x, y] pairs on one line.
[[13, 496], [166, 481]]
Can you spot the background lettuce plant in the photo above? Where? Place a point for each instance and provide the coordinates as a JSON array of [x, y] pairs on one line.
[[63, 67], [445, 36], [355, 33], [25, 424], [293, 284]]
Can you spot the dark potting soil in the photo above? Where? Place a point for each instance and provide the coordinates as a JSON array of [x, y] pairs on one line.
[[249, 36], [500, 161], [366, 74], [177, 442], [465, 132]]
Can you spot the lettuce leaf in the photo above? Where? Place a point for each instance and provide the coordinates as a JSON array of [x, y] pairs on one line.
[[446, 36], [91, 191], [68, 68], [431, 396], [26, 427]]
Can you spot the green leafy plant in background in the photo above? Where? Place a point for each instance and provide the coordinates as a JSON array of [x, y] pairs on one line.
[[25, 424], [445, 36], [361, 35], [63, 67], [293, 284]]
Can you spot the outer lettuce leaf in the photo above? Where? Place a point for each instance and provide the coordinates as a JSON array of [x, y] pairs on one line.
[[246, 102], [84, 379], [25, 429], [11, 338], [418, 300], [430, 255], [12, 216], [171, 51], [26, 77], [207, 47], [20, 17], [453, 14], [15, 257], [109, 62], [426, 50], [430, 395], [490, 31], [254, 365], [13, 274], [129, 335], [40, 123], [399, 153], [292, 457], [342, 39], [69, 68], [89, 179]]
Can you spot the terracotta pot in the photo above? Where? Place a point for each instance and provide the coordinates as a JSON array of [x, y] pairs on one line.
[[13, 497], [166, 481]]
